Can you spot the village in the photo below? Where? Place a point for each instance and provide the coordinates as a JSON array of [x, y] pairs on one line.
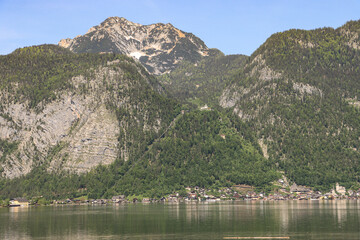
[[197, 194]]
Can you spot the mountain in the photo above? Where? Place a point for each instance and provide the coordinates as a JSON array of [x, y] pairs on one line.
[[204, 148], [299, 91], [200, 148], [202, 83], [159, 47], [185, 66], [100, 125], [72, 112]]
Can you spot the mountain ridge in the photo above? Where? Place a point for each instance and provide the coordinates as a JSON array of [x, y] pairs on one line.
[[297, 91], [289, 109], [159, 47], [76, 111]]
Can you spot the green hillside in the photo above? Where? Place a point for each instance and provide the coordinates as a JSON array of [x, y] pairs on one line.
[[167, 149], [203, 148], [292, 107], [37, 73], [202, 83], [299, 90]]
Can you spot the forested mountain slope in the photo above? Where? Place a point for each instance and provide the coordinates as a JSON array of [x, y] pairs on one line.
[[76, 111], [204, 148], [100, 125], [201, 148], [299, 91], [202, 83]]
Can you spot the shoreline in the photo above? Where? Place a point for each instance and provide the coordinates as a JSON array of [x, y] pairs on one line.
[[178, 202]]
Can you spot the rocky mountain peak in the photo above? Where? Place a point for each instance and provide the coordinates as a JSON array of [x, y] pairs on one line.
[[159, 47], [113, 21]]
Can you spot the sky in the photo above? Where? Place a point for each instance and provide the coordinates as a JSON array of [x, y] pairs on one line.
[[232, 26]]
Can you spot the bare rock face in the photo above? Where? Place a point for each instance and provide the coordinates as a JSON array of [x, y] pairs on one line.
[[78, 131], [159, 47], [92, 141], [34, 132], [234, 95], [75, 132]]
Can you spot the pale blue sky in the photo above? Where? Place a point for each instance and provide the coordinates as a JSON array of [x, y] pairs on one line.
[[233, 26]]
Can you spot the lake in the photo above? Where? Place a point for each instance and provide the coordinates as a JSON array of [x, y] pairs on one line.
[[338, 219]]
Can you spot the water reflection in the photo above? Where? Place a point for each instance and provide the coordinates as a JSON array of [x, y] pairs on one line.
[[298, 219]]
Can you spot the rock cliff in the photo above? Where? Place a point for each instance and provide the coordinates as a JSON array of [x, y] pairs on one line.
[[107, 113], [159, 47]]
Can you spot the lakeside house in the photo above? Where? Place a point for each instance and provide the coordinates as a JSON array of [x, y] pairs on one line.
[[236, 192], [19, 202]]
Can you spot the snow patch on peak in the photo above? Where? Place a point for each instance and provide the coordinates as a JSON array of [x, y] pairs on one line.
[[155, 41], [128, 38], [137, 55]]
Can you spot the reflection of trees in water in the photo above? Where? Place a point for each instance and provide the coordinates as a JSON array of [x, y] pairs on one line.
[[12, 228], [325, 216], [228, 218], [231, 217]]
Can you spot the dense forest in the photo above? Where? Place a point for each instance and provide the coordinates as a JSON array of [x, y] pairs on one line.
[[202, 83], [204, 148], [37, 73], [306, 111]]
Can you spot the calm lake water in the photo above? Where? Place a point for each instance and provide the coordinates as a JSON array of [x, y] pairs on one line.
[[295, 219]]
